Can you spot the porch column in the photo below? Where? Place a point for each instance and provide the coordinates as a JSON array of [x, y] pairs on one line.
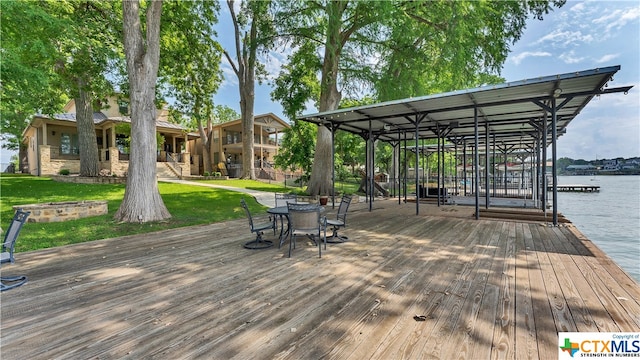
[[114, 161], [45, 141], [186, 158], [103, 153], [196, 165], [113, 136], [45, 160]]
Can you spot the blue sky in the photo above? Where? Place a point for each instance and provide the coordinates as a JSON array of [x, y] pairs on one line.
[[581, 35]]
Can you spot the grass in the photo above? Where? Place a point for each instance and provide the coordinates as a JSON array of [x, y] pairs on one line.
[[188, 205]]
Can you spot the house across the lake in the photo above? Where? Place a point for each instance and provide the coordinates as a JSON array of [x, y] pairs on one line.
[[52, 144]]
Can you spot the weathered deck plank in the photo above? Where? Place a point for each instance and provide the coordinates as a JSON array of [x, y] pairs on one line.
[[486, 289]]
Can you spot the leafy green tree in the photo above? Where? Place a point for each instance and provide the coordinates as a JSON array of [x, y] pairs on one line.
[[27, 71], [297, 147], [142, 201], [348, 36], [67, 47], [190, 63], [252, 29]]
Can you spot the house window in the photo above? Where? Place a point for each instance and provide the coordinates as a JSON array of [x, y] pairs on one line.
[[123, 107], [69, 144], [122, 143]]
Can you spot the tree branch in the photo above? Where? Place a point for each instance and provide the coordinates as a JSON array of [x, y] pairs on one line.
[[154, 11], [233, 64], [236, 32]]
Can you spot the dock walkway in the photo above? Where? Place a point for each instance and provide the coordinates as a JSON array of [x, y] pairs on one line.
[[435, 285], [577, 188]]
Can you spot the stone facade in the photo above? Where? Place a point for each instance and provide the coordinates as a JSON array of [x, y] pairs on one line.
[[53, 166]]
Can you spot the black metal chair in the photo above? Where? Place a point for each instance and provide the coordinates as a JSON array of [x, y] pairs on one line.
[[340, 221], [8, 245], [259, 228], [284, 199], [305, 219]]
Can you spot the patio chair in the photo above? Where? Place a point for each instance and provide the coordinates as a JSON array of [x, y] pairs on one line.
[[305, 219], [258, 228], [8, 245], [284, 199], [340, 221]]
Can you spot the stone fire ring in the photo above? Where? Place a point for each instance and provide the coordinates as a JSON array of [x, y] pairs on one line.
[[63, 211]]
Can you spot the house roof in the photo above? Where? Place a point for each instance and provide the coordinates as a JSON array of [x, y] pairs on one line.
[[270, 121], [513, 112], [98, 117]]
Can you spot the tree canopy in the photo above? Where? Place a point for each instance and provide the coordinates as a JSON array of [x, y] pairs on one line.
[[388, 46], [52, 51]]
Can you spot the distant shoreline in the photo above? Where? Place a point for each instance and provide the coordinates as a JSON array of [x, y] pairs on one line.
[[603, 173]]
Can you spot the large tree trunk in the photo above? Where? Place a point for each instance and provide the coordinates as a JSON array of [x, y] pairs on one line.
[[246, 108], [246, 72], [142, 201], [206, 144], [320, 181], [87, 141]]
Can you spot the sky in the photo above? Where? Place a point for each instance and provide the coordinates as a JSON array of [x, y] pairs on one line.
[[582, 35]]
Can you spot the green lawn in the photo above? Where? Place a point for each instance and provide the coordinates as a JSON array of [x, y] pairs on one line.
[[188, 205]]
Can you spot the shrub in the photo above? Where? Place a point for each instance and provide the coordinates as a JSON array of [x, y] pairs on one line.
[[206, 173], [64, 172], [217, 173]]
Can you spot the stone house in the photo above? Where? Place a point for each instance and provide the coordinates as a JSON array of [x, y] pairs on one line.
[[51, 143]]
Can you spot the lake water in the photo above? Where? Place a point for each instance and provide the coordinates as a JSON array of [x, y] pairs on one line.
[[610, 218]]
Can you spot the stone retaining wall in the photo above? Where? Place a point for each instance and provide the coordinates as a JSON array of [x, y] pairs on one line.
[[89, 180], [63, 211]]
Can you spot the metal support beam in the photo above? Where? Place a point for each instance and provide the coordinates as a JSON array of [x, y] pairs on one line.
[[417, 124], [477, 162], [544, 163], [554, 138], [486, 164]]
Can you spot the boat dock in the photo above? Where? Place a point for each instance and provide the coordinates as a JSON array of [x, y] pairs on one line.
[[576, 188]]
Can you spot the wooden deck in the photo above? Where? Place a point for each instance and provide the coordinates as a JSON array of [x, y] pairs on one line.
[[485, 288]]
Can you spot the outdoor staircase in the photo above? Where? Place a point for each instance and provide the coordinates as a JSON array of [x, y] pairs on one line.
[[165, 170]]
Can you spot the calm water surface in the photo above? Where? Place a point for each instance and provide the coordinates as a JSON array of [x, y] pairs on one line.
[[610, 218]]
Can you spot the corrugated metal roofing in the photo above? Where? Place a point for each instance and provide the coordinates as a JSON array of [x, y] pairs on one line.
[[513, 111]]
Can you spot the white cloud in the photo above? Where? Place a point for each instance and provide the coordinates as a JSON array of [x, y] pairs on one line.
[[579, 7], [618, 18], [606, 58], [274, 61], [570, 57], [517, 59], [561, 38]]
